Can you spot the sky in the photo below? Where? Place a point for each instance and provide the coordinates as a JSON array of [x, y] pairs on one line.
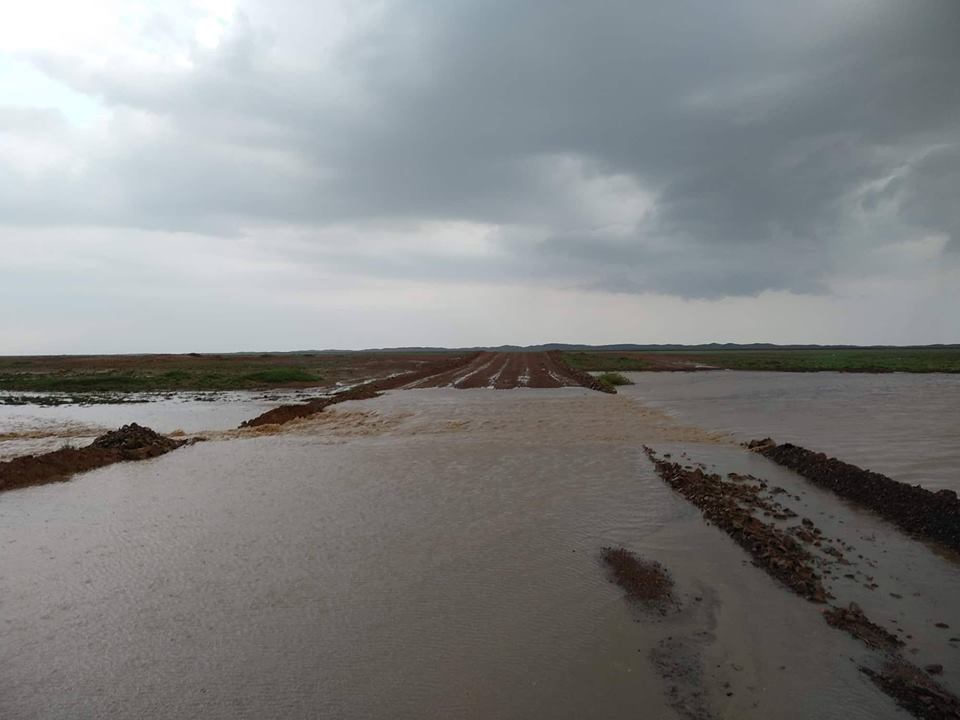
[[222, 175]]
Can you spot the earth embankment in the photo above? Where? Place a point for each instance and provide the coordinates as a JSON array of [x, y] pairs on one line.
[[494, 370], [931, 515], [131, 442]]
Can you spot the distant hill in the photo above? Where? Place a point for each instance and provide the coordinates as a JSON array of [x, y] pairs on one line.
[[635, 347]]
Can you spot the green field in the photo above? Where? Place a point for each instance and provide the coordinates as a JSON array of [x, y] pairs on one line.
[[606, 362], [614, 379], [865, 360], [147, 380], [167, 373]]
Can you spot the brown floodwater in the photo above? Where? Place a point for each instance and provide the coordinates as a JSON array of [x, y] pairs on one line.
[[432, 553], [906, 426], [36, 428]]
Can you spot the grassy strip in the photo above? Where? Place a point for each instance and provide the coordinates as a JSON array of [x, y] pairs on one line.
[[864, 360], [581, 376], [614, 379], [146, 381], [196, 372], [848, 360], [605, 362]]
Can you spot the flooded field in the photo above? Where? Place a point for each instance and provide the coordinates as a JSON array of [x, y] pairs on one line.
[[34, 428], [436, 553], [903, 425]]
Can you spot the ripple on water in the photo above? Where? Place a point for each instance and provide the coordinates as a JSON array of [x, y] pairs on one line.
[[418, 572], [903, 425]]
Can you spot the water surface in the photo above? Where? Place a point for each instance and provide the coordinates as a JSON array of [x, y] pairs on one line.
[[445, 564], [35, 428], [903, 425]]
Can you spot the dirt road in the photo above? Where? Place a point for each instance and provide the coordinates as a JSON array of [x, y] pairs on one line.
[[503, 370], [499, 370]]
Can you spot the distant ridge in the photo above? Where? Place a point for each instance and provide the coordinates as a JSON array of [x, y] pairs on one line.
[[634, 347]]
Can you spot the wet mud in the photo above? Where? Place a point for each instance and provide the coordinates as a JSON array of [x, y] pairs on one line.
[[914, 690], [678, 657], [130, 442], [853, 621], [508, 370], [479, 370], [679, 662], [364, 391], [287, 413], [645, 582], [921, 512], [730, 506]]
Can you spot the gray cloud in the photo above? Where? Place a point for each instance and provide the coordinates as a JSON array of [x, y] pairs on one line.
[[756, 138]]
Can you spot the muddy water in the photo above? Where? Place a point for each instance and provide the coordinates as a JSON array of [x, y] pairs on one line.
[[905, 426], [40, 428], [444, 563]]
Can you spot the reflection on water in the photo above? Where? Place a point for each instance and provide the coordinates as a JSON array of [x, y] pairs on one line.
[[905, 426]]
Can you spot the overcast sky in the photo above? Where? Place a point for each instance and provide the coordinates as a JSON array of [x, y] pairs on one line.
[[213, 175]]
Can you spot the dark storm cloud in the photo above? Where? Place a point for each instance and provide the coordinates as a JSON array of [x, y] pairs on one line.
[[760, 132]]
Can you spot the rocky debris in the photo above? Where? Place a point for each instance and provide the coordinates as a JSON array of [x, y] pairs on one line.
[[761, 446], [914, 690], [730, 506], [852, 620], [644, 581], [136, 438], [934, 668], [131, 442], [931, 515]]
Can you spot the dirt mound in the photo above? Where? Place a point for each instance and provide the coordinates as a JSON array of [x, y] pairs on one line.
[[644, 581], [286, 413], [730, 506], [914, 691], [135, 437], [932, 515], [852, 620], [131, 442]]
